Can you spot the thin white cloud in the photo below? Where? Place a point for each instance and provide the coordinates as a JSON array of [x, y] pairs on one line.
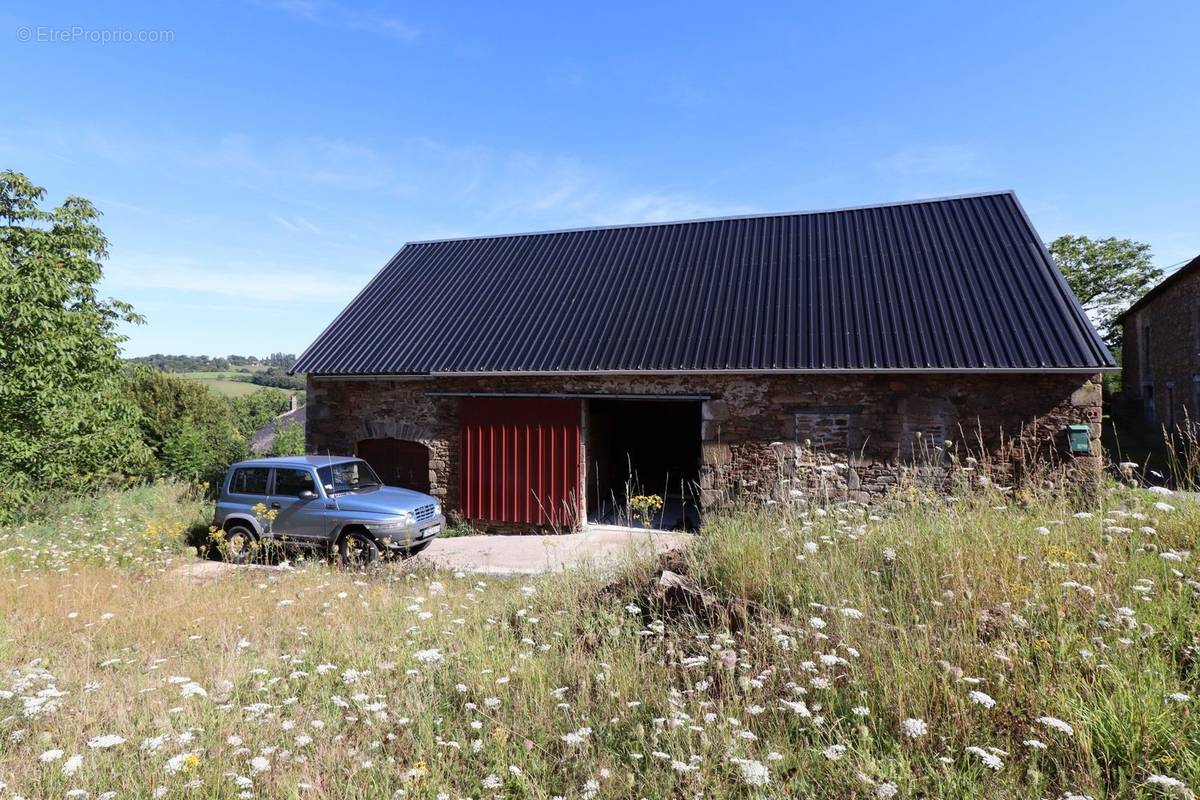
[[257, 284], [289, 229], [429, 184], [297, 224], [334, 15], [656, 207]]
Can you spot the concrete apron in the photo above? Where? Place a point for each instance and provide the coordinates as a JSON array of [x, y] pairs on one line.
[[601, 547]]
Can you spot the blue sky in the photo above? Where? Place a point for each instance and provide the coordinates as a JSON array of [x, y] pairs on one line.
[[256, 169]]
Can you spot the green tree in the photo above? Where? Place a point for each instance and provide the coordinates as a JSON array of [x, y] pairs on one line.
[[65, 423], [191, 430], [256, 409], [289, 440], [1106, 275]]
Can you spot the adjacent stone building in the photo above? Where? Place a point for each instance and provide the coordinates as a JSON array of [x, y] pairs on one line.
[[548, 379], [1161, 351]]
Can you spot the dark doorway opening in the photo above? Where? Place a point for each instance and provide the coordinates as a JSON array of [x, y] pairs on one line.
[[643, 448], [397, 462]]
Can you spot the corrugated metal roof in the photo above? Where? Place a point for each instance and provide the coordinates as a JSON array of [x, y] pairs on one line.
[[1162, 286], [960, 283]]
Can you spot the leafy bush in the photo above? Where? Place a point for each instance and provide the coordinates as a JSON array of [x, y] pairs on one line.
[[256, 409], [289, 440], [192, 432]]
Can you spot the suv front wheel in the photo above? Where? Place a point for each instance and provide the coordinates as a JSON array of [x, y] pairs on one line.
[[238, 546], [356, 549]]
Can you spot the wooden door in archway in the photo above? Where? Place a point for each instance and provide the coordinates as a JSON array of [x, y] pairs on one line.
[[397, 462]]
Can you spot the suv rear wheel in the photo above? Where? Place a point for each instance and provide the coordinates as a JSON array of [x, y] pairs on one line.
[[356, 549]]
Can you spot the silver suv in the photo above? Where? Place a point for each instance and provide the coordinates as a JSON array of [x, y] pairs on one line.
[[321, 502]]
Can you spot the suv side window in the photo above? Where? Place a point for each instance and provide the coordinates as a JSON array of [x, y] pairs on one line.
[[291, 482], [249, 480]]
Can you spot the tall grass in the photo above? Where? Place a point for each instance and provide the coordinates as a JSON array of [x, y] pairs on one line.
[[319, 683], [138, 527]]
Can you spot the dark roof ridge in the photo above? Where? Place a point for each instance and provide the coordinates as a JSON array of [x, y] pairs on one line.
[[1154, 291]]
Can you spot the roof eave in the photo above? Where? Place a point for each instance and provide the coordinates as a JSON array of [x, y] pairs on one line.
[[408, 376]]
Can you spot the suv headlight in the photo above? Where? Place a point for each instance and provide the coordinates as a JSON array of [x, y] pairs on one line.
[[391, 526]]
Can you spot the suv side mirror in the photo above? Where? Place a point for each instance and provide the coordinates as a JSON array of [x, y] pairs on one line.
[[308, 494]]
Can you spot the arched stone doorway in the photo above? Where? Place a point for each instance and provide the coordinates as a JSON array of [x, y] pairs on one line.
[[398, 462]]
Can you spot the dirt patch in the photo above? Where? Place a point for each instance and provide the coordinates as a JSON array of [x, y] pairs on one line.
[[206, 571]]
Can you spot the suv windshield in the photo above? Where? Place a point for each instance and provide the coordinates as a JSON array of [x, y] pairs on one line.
[[347, 476]]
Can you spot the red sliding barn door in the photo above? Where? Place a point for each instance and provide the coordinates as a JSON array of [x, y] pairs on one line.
[[520, 459]]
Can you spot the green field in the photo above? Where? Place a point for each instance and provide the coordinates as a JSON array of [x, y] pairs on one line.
[[225, 383]]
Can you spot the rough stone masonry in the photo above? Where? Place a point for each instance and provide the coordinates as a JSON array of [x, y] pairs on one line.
[[772, 436]]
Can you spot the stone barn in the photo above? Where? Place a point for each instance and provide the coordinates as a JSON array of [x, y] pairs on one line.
[[1161, 349], [552, 379]]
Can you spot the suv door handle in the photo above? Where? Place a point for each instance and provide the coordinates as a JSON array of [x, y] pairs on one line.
[[274, 505]]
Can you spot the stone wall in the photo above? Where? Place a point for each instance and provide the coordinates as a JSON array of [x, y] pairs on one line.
[[1167, 382], [770, 437]]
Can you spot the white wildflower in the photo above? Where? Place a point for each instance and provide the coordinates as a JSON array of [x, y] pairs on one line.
[[153, 743], [990, 760], [914, 728], [430, 656], [578, 737], [982, 698], [105, 742], [754, 773], [796, 706], [1057, 724], [834, 751], [1170, 785], [176, 764]]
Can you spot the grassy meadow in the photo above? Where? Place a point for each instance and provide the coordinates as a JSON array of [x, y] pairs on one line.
[[966, 649], [226, 383]]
